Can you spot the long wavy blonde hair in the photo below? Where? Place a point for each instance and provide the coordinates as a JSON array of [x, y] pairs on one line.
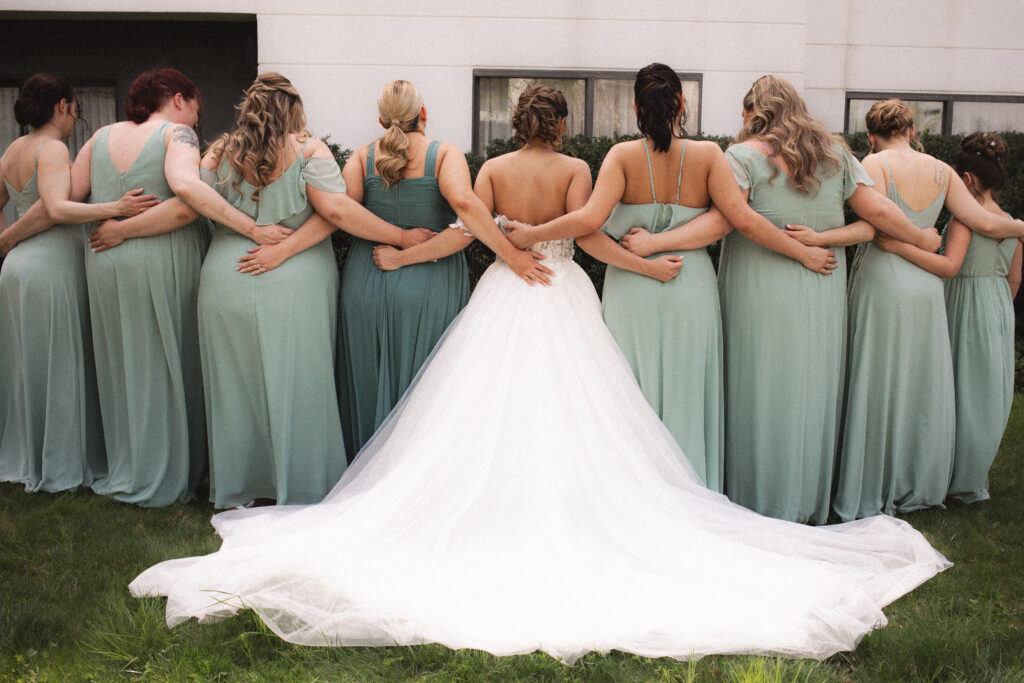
[[779, 118], [399, 105], [270, 109]]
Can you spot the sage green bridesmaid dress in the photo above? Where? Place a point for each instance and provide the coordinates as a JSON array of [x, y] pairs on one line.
[[268, 344], [50, 436], [142, 296], [671, 333], [785, 329], [389, 321], [898, 418], [981, 325]]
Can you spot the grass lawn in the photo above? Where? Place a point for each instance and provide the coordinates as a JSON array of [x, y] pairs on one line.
[[65, 612]]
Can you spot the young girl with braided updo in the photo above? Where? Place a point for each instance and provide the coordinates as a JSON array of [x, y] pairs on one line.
[[899, 413], [984, 276]]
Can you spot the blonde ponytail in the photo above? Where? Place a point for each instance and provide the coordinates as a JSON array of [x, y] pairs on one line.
[[399, 105]]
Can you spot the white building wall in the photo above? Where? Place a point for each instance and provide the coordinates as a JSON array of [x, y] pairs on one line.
[[340, 52]]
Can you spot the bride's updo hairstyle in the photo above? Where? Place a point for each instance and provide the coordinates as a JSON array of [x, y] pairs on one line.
[[399, 105], [656, 91], [151, 89], [270, 110], [37, 98], [779, 117], [982, 155], [890, 118], [538, 113]]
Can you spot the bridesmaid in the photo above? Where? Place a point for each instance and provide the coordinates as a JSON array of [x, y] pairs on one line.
[[47, 397], [143, 284], [391, 320], [669, 332], [985, 274], [979, 306], [899, 413], [784, 325]]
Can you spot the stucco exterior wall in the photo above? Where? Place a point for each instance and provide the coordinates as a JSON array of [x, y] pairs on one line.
[[340, 52]]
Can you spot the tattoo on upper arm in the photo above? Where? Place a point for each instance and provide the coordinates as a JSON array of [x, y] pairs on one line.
[[185, 135]]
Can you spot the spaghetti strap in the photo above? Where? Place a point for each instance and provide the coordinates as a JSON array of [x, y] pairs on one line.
[[650, 172], [35, 157], [892, 178], [369, 160], [429, 170], [679, 180]]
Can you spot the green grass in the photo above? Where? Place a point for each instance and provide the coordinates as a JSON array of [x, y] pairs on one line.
[[65, 612]]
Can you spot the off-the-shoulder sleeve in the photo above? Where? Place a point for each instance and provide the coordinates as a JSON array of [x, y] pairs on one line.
[[739, 169], [323, 174], [853, 174]]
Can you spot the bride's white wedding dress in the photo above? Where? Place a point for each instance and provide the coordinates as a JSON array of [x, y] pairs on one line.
[[523, 496]]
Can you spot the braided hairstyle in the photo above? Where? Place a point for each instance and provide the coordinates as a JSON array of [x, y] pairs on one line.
[[779, 117], [37, 97], [656, 92], [982, 155], [538, 113], [399, 105], [270, 110], [151, 89]]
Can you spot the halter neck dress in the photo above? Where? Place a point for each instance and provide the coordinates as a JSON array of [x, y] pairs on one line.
[[268, 344], [898, 417], [50, 436], [143, 295], [785, 333], [389, 321], [671, 332], [980, 314]]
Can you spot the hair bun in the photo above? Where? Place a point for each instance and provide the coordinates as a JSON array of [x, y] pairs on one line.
[[986, 145]]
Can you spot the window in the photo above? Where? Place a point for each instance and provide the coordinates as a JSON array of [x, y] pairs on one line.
[[600, 102], [944, 114]]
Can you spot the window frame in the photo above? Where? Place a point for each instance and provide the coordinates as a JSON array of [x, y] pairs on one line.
[[948, 100], [589, 77]]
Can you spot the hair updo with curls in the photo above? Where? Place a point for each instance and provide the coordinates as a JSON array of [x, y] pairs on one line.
[[538, 112], [270, 110], [982, 155], [656, 92], [399, 105], [37, 97], [151, 89], [889, 117]]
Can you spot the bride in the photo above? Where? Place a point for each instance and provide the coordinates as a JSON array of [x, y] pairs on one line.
[[523, 496]]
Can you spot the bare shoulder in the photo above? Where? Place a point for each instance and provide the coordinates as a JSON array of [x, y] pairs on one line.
[[448, 150], [54, 151], [182, 134], [578, 166], [704, 148], [315, 147]]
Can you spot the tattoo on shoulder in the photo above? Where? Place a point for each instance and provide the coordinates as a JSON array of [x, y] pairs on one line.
[[185, 135], [939, 174]]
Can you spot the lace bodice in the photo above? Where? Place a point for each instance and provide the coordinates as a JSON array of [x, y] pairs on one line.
[[553, 250]]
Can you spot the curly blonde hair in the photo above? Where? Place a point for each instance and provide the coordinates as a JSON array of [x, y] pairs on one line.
[[892, 117], [270, 110], [779, 117], [399, 105]]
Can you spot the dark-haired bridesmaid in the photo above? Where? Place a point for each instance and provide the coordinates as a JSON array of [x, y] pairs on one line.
[[47, 388], [143, 278]]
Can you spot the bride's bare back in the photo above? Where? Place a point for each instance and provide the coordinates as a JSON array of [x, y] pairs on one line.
[[535, 184]]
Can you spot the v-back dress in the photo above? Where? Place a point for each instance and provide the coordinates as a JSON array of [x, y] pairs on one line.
[[981, 326], [142, 296], [785, 333], [523, 496], [50, 437], [267, 344], [671, 332], [389, 321], [898, 417]]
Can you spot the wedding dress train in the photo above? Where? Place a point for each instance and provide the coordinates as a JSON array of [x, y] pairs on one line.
[[523, 496]]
